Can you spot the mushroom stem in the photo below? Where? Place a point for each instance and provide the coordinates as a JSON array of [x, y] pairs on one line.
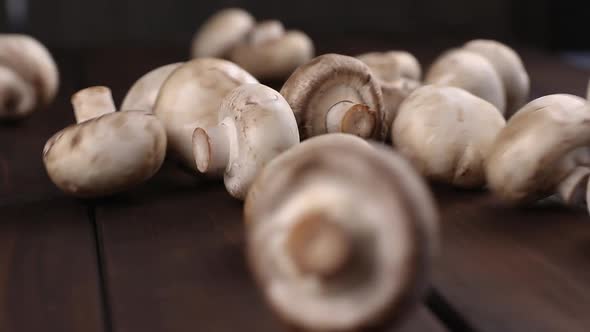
[[351, 118], [211, 149], [92, 102], [573, 189], [318, 246]]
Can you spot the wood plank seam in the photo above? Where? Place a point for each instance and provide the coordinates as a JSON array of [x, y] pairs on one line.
[[446, 313]]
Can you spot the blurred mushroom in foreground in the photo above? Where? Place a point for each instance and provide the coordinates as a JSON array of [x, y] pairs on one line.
[[340, 235]]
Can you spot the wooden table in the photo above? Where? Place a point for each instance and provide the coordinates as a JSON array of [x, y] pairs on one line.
[[168, 256]]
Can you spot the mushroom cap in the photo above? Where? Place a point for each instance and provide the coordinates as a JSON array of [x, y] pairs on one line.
[[274, 58], [510, 68], [191, 97], [470, 71], [446, 133], [325, 81], [144, 92], [540, 145], [264, 126], [107, 154], [392, 65], [30, 60], [374, 196], [221, 32]]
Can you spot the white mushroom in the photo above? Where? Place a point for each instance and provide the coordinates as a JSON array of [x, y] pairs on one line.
[[29, 78], [340, 235], [398, 73], [446, 133], [221, 32], [144, 92], [270, 52], [265, 49], [255, 125], [107, 151], [191, 97], [486, 68], [544, 150], [336, 93]]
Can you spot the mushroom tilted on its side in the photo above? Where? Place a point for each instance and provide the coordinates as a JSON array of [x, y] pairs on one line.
[[255, 125], [486, 68], [340, 235], [29, 78], [544, 150], [191, 97], [446, 133], [398, 73], [107, 151], [144, 92], [336, 93], [270, 52]]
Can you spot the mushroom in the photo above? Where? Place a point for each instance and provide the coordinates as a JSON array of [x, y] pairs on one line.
[[107, 151], [340, 235], [398, 74], [142, 95], [336, 93], [446, 133], [544, 150], [29, 77], [221, 32], [265, 49], [486, 68], [255, 124], [191, 97], [270, 52]]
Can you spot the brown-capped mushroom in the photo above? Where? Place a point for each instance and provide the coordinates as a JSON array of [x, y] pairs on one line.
[[255, 124], [270, 52], [446, 133], [398, 73], [191, 97], [340, 235], [107, 151], [544, 150], [488, 69], [336, 93], [29, 77], [144, 92], [221, 32]]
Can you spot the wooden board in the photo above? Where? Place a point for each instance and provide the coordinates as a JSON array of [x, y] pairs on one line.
[[49, 278]]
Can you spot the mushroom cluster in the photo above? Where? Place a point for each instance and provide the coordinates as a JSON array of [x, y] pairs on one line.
[[446, 133], [336, 93], [398, 74], [340, 234], [265, 49], [106, 151], [543, 150], [487, 69], [29, 77]]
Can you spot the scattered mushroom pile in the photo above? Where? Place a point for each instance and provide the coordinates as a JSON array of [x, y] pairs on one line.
[[29, 78], [340, 232], [264, 48]]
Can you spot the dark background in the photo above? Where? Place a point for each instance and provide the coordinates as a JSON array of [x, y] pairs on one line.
[[542, 23]]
